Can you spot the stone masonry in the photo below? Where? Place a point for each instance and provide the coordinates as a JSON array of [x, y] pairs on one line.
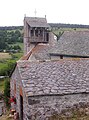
[[51, 87], [45, 83]]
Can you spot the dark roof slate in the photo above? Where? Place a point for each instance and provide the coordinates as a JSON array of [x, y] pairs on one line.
[[72, 43], [37, 22], [40, 52], [55, 77]]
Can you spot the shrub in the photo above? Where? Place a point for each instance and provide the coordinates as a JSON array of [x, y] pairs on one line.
[[7, 70], [7, 92], [3, 71], [11, 65]]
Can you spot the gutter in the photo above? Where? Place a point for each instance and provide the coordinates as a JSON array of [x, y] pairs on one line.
[[64, 55]]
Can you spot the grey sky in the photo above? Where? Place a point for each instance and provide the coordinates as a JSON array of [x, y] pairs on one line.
[[57, 11]]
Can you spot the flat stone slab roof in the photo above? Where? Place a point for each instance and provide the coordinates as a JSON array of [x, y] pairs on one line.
[[72, 43], [40, 52], [65, 76], [37, 22]]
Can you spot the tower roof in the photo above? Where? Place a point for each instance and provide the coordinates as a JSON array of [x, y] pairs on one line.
[[37, 22]]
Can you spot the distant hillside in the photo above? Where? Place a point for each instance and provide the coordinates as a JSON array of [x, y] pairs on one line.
[[62, 25], [11, 28], [10, 36], [58, 25]]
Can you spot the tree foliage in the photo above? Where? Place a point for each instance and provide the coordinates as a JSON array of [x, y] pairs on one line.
[[10, 37], [7, 92], [7, 70]]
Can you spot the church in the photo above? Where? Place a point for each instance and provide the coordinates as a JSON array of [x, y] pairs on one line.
[[52, 77]]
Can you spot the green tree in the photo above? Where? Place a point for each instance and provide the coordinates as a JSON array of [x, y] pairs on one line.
[[8, 69], [16, 47], [7, 92], [17, 33], [11, 65]]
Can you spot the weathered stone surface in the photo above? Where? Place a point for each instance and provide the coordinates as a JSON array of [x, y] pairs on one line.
[[52, 105], [33, 101], [58, 77], [51, 93], [73, 43]]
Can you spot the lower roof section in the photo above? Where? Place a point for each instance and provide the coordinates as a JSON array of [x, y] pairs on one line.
[[64, 76], [72, 43]]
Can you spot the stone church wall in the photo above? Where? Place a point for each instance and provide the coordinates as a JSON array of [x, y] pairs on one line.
[[16, 79], [42, 107]]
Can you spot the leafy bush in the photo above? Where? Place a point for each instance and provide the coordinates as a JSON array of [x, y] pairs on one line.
[[7, 70], [3, 71], [11, 65], [7, 92], [9, 37]]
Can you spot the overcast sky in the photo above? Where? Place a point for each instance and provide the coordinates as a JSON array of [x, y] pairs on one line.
[[57, 11]]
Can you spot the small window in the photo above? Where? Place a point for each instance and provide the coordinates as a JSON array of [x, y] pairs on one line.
[[36, 33], [41, 33], [61, 56], [32, 32]]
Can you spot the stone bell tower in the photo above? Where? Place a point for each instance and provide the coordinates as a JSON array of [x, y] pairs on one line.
[[36, 30]]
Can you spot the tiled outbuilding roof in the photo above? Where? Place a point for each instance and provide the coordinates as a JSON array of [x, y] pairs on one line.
[[55, 77], [73, 43], [37, 22]]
